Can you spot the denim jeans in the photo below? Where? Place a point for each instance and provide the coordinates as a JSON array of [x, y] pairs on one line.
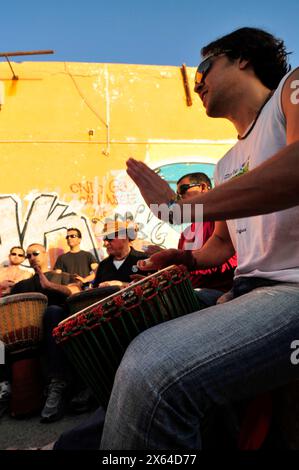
[[173, 375], [208, 297]]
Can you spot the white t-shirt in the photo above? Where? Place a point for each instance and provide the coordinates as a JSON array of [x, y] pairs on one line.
[[118, 263], [266, 245]]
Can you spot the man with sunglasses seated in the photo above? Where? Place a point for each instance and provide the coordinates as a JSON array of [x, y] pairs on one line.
[[242, 348], [57, 287], [78, 262], [13, 273], [9, 276], [214, 280]]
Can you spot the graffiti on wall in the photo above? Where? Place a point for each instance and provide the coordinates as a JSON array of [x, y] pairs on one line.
[[43, 217], [43, 221], [117, 196]]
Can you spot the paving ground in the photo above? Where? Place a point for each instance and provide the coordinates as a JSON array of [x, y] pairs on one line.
[[30, 433]]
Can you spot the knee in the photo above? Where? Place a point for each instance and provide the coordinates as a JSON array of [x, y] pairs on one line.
[[141, 365]]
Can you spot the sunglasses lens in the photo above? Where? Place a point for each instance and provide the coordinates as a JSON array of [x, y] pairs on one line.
[[202, 70], [198, 77], [34, 253], [182, 189]]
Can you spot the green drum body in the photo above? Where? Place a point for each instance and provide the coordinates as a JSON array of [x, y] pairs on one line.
[[96, 338]]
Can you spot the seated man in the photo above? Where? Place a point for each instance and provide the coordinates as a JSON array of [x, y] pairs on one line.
[[78, 262], [57, 287], [194, 237], [9, 275], [121, 263], [217, 279], [115, 270], [13, 273]]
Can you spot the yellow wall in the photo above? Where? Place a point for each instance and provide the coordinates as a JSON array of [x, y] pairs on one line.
[[68, 128]]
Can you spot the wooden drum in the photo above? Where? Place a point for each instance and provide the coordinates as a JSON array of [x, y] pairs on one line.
[[21, 319], [97, 337]]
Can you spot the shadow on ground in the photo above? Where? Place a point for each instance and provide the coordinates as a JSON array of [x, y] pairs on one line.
[[29, 433]]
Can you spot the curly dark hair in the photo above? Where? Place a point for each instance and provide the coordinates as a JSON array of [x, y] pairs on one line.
[[267, 54]]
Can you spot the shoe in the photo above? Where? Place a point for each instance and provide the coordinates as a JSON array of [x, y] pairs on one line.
[[5, 394], [82, 402], [5, 390], [54, 406]]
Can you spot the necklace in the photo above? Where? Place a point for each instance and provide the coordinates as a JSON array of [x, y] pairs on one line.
[[256, 117]]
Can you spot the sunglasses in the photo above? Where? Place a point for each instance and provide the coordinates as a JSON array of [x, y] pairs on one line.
[[184, 188], [34, 253], [17, 254], [113, 236], [205, 66], [72, 236]]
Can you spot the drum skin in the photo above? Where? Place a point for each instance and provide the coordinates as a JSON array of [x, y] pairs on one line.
[[77, 302]]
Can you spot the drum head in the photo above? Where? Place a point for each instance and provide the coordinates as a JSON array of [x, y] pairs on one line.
[[77, 302]]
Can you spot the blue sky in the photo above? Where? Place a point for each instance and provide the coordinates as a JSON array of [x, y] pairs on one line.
[[162, 32]]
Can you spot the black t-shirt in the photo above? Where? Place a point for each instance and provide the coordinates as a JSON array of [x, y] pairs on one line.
[[33, 285], [76, 263], [108, 272]]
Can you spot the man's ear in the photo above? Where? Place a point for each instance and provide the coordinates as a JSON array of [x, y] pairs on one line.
[[243, 63]]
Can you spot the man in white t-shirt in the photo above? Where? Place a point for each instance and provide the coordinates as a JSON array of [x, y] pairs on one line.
[[238, 349]]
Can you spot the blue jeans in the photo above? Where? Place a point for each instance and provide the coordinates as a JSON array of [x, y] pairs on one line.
[[174, 374]]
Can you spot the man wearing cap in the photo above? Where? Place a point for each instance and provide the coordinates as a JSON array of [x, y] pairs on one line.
[[122, 258]]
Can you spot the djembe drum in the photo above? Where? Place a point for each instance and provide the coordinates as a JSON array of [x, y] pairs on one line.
[[81, 300], [21, 332], [97, 337]]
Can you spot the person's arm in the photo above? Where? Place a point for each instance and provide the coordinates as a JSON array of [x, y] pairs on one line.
[[5, 286], [215, 252], [53, 286], [91, 276], [272, 186]]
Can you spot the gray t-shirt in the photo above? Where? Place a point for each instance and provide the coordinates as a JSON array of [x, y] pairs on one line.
[[76, 263]]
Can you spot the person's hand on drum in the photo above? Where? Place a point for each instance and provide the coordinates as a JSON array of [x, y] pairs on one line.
[[113, 283], [153, 188], [152, 249], [76, 277], [6, 285], [162, 259]]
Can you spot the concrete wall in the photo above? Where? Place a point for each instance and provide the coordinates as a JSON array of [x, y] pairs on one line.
[[66, 130]]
